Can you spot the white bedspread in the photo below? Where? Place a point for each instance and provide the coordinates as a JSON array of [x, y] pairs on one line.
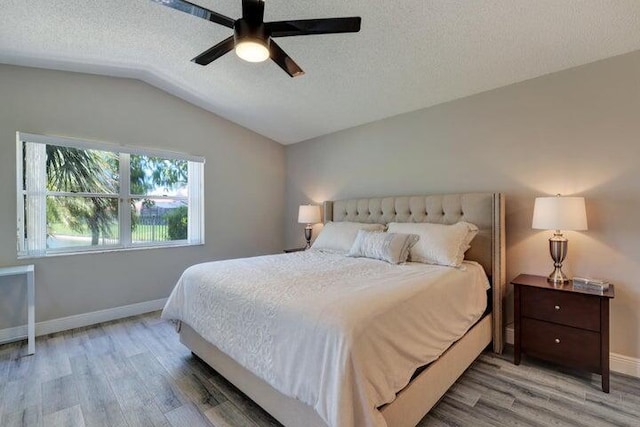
[[342, 335]]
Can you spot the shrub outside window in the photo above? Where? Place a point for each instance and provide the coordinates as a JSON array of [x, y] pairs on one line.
[[77, 196]]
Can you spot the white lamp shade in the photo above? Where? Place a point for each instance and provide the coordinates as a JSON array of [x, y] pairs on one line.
[[252, 51], [309, 214], [559, 213]]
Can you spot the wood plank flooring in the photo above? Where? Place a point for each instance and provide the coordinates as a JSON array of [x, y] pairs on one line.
[[134, 372]]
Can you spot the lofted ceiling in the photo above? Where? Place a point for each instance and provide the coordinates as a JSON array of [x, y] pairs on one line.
[[410, 54]]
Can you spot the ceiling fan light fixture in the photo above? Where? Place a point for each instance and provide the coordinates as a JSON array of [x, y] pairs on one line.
[[252, 50], [253, 38]]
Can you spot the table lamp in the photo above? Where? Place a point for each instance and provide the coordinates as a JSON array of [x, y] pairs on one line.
[[308, 214], [559, 213]]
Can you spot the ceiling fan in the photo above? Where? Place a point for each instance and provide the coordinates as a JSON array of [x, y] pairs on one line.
[[252, 37]]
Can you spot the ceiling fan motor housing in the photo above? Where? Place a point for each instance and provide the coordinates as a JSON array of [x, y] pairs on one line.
[[254, 32]]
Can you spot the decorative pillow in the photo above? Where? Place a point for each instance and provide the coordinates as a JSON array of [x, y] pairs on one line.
[[390, 247], [338, 237], [439, 244]]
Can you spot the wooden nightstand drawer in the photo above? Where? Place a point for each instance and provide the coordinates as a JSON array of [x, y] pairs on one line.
[[580, 311], [563, 344]]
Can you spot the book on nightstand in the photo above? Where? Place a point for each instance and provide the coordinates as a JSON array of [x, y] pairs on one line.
[[589, 284]]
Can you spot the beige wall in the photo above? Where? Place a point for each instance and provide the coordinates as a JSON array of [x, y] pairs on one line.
[[244, 190], [576, 132]]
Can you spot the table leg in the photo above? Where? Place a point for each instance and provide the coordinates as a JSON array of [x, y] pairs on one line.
[[516, 326], [31, 314], [604, 343]]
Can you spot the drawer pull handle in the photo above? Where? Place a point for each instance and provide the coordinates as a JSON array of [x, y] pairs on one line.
[[557, 307], [557, 340]]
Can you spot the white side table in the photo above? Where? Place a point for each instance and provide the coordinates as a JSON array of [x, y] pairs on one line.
[[31, 306]]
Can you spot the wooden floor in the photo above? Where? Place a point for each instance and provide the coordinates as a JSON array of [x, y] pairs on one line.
[[134, 372]]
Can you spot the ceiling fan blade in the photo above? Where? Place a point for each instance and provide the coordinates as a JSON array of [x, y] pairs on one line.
[[281, 58], [253, 10], [210, 55], [303, 27], [199, 11]]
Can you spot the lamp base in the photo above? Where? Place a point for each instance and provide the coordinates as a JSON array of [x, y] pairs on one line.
[[557, 277], [308, 231], [558, 246]]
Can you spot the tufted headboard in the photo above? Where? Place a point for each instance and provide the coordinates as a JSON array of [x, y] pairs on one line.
[[485, 210]]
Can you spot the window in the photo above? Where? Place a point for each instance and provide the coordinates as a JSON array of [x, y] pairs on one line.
[[77, 196]]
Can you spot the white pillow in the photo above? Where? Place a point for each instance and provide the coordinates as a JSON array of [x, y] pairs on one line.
[[338, 237], [390, 247], [439, 244]]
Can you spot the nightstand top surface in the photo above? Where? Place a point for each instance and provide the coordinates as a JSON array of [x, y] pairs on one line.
[[541, 282]]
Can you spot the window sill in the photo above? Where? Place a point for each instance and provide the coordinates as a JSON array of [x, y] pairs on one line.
[[111, 249]]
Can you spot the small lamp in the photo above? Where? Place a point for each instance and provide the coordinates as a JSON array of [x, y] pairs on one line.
[[559, 213], [308, 214]]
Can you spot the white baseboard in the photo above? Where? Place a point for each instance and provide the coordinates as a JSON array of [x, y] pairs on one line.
[[80, 320], [509, 339], [617, 362], [624, 364]]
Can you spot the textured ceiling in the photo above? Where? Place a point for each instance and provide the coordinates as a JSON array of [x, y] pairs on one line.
[[409, 54]]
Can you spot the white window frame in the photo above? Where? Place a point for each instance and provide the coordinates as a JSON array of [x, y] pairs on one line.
[[37, 246]]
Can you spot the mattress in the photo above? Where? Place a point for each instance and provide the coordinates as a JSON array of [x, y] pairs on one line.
[[343, 335]]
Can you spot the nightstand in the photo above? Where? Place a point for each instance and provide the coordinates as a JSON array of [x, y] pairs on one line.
[[286, 251], [562, 324]]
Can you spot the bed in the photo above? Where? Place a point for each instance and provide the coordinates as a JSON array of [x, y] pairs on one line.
[[294, 381]]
